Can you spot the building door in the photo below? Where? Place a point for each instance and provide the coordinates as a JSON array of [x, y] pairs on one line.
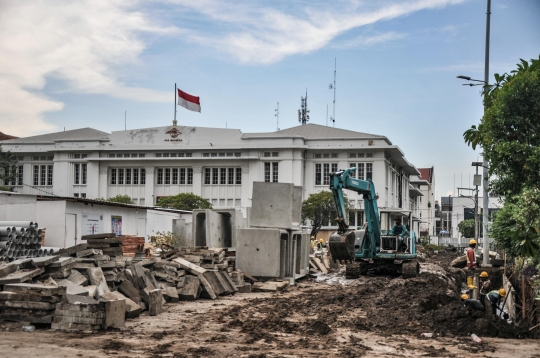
[[141, 227], [71, 230]]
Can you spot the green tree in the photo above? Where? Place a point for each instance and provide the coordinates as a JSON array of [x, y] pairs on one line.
[[509, 132], [184, 201], [122, 199], [320, 208], [466, 228], [8, 166]]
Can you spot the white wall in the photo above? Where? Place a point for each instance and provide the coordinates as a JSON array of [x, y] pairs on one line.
[[51, 215]]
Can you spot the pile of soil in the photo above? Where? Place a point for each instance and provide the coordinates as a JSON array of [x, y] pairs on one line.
[[381, 304]]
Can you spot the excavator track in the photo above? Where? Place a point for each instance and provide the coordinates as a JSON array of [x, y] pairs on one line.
[[410, 269], [356, 269]]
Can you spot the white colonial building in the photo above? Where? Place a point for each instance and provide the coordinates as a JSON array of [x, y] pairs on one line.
[[216, 163]]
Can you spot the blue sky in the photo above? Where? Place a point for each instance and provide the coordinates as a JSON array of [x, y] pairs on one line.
[[82, 64]]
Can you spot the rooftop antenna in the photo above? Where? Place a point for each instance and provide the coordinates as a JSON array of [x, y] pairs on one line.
[[303, 113], [277, 116], [125, 119], [333, 86], [327, 115]]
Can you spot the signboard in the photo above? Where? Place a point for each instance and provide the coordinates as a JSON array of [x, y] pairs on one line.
[[92, 224], [116, 225]]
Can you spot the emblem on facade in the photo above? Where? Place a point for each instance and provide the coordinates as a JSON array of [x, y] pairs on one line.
[[173, 132]]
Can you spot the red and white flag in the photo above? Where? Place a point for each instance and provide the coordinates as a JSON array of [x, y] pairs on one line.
[[188, 101]]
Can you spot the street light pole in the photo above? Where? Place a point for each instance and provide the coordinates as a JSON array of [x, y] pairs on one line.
[[485, 260]]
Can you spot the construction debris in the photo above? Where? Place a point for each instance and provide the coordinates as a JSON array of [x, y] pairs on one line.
[[85, 287]]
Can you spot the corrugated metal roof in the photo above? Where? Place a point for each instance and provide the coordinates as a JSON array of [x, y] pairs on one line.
[[75, 134], [315, 131]]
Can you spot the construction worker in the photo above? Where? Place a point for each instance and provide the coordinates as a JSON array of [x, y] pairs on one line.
[[471, 263], [494, 297], [320, 244], [472, 304], [401, 231], [485, 285]]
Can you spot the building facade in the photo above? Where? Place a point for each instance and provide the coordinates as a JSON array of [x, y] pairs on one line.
[[425, 183], [216, 163]]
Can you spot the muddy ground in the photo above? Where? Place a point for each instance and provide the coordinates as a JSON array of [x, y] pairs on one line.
[[380, 316]]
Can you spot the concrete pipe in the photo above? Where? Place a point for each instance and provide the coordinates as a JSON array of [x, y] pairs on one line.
[[35, 240], [17, 239], [25, 224], [9, 253], [41, 253], [37, 246], [25, 252], [20, 230], [16, 253], [39, 232], [5, 244], [5, 238], [5, 230]]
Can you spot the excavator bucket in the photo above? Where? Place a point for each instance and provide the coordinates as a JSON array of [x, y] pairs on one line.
[[342, 246]]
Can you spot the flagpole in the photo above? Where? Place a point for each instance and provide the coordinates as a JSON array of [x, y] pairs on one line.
[[175, 92]]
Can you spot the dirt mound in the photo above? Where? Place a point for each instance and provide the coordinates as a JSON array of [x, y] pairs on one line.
[[381, 304]]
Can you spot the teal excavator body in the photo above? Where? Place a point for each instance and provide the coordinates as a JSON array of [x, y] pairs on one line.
[[366, 249]]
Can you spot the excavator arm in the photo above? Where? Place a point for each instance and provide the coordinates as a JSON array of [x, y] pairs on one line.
[[343, 179]]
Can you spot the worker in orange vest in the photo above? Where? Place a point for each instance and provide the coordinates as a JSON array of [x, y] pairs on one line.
[[471, 263]]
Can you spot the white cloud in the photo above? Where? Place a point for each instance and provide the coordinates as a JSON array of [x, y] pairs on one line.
[[364, 41], [78, 42], [264, 35]]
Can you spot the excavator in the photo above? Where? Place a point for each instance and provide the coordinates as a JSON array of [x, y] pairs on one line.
[[367, 249]]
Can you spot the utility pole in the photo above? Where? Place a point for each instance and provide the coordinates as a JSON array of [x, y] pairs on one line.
[[476, 182], [485, 260], [303, 112]]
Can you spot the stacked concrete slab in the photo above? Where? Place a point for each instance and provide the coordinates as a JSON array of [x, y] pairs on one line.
[[273, 246], [216, 227]]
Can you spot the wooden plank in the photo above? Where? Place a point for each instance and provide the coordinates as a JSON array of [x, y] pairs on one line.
[[98, 236], [93, 242]]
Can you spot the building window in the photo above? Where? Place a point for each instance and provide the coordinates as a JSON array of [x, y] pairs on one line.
[[120, 176], [364, 171], [223, 176], [135, 176], [334, 155], [219, 176], [143, 176], [318, 174], [322, 173], [20, 175], [80, 173], [317, 156], [111, 155], [369, 171], [128, 176], [113, 176], [174, 176], [158, 155], [266, 154], [43, 175], [231, 176], [205, 155], [237, 154], [369, 155], [76, 195], [271, 172], [352, 155], [213, 154], [83, 195], [238, 175], [275, 154], [326, 155]]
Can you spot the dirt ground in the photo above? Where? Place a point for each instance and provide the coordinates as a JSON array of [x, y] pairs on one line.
[[378, 316]]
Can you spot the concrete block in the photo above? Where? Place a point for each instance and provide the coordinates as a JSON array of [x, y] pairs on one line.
[[97, 278], [258, 251], [77, 278], [207, 288], [170, 294], [244, 288], [188, 266], [71, 288], [21, 276], [153, 299], [115, 314], [133, 310], [189, 289], [30, 288], [213, 279], [275, 205]]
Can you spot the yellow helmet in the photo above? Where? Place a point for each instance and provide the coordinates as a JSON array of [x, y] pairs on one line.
[[472, 242], [484, 274], [464, 296], [321, 240], [502, 292], [312, 237]]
